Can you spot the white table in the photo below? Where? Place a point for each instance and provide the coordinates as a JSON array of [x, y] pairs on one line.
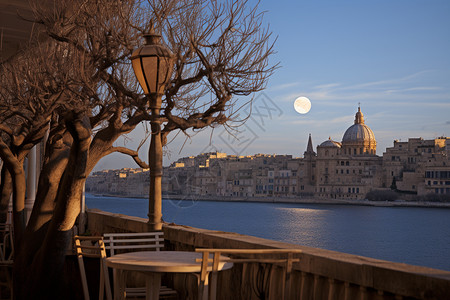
[[152, 264]]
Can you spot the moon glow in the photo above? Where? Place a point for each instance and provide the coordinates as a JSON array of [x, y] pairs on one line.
[[302, 105]]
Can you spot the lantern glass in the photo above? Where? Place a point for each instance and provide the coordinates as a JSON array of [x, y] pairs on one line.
[[150, 70], [165, 70], [139, 72], [152, 64]]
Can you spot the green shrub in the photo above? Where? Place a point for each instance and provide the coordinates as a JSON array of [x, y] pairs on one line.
[[381, 195]]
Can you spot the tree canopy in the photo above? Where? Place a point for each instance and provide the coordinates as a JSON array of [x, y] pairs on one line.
[[73, 92]]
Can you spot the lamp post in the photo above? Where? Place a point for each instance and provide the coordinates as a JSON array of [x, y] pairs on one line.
[[152, 65]]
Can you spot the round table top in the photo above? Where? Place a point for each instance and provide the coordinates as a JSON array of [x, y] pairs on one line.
[[162, 261]]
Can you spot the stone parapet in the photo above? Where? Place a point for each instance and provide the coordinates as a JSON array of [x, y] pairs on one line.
[[320, 274]]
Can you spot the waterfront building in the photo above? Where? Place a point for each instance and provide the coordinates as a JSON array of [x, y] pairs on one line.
[[418, 166], [348, 169]]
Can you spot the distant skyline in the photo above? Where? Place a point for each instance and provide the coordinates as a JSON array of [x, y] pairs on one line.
[[391, 56]]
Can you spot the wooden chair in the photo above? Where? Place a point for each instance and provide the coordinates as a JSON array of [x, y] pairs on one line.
[[93, 246], [258, 256], [128, 242], [6, 242]]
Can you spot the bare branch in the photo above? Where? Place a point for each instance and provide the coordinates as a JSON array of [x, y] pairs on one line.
[[132, 153]]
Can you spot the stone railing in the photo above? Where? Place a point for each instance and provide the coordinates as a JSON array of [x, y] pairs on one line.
[[320, 274]]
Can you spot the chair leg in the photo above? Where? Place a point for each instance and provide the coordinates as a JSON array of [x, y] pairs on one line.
[[105, 277], [101, 288], [83, 278]]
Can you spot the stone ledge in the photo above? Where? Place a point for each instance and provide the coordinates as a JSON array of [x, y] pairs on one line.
[[396, 278]]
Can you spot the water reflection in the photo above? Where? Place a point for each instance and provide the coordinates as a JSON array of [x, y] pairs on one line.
[[303, 225], [411, 235]]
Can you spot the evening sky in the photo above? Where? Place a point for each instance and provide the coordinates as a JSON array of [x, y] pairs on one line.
[[391, 56]]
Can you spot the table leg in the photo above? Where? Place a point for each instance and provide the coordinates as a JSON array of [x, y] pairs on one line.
[[203, 288], [152, 284], [119, 284]]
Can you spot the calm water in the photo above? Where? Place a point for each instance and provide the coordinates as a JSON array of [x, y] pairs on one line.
[[418, 236]]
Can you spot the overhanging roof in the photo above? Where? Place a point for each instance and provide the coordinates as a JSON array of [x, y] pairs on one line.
[[14, 31]]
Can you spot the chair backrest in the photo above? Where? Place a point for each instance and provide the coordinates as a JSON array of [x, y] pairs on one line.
[[126, 242], [93, 246], [283, 257]]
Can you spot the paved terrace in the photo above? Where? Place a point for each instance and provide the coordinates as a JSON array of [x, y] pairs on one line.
[[320, 274]]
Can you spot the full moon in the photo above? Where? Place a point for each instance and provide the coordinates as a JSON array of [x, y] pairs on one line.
[[302, 105]]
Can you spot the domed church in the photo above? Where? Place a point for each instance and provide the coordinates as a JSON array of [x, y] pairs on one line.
[[347, 169], [359, 138]]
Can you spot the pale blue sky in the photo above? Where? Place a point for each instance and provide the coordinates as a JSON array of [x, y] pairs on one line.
[[392, 56]]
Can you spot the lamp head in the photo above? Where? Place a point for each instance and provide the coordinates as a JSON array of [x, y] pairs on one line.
[[152, 64]]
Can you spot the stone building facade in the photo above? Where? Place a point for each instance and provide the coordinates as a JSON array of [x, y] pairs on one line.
[[348, 169], [351, 168]]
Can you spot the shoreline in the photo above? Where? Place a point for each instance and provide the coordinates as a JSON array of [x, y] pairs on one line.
[[292, 200]]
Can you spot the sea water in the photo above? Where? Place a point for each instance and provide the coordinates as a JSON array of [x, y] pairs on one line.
[[417, 236]]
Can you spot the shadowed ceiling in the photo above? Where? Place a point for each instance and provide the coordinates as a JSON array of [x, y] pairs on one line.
[[14, 31]]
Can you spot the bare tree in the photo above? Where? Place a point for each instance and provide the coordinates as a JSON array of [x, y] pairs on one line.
[[33, 89], [88, 97]]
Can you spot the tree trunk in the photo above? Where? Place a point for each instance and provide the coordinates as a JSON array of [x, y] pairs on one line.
[[19, 191], [49, 179], [40, 277], [15, 169], [5, 190]]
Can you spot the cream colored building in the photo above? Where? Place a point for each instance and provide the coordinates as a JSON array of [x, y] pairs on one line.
[[348, 169], [418, 166]]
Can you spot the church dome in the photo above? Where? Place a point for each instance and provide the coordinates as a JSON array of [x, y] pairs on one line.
[[330, 143], [359, 132], [359, 137]]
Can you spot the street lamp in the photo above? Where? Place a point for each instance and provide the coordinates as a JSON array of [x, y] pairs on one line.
[[152, 65]]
